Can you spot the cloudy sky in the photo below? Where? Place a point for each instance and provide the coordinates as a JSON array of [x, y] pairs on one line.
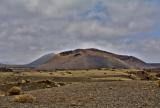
[[31, 28]]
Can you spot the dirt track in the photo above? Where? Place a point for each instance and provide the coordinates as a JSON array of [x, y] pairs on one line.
[[117, 94]]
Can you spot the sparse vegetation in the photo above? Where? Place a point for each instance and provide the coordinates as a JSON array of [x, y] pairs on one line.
[[15, 91], [62, 84], [46, 81], [25, 98], [51, 73], [2, 94], [69, 72], [152, 77], [37, 83]]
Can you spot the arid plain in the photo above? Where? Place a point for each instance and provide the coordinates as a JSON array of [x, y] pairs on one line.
[[102, 88]]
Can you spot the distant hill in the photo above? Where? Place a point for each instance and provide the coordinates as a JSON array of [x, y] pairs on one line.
[[89, 59], [42, 60], [2, 65], [155, 65]]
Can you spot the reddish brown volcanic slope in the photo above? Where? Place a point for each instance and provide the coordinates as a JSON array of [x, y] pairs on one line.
[[91, 59]]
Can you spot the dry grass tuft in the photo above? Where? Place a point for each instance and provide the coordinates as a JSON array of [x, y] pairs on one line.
[[14, 91], [158, 82], [152, 77], [25, 98], [2, 94]]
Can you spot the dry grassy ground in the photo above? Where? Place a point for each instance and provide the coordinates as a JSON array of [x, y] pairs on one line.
[[104, 88]]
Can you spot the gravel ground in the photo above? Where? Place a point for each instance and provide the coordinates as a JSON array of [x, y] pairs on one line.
[[116, 94]]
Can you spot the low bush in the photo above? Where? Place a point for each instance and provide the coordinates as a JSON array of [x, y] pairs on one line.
[[15, 91], [25, 98]]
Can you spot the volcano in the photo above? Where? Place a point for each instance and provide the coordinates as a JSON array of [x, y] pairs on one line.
[[88, 59]]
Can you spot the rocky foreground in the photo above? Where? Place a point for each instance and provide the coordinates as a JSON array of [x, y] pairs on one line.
[[115, 94]]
